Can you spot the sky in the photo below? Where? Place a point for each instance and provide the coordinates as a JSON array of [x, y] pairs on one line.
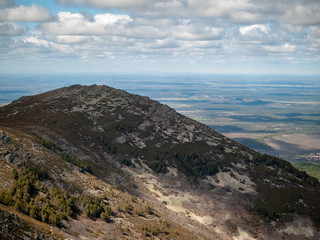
[[160, 36]]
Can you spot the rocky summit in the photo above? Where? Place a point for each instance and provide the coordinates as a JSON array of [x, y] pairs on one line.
[[94, 162]]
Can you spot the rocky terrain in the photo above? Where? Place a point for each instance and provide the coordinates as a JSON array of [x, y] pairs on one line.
[[93, 162]]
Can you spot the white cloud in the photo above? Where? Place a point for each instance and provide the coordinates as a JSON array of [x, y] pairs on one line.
[[304, 13], [253, 29], [106, 3], [165, 43], [196, 31], [166, 29], [37, 41], [101, 24], [76, 24], [216, 8], [256, 34], [285, 48], [45, 46], [7, 3], [10, 29], [234, 11], [72, 39], [21, 13]]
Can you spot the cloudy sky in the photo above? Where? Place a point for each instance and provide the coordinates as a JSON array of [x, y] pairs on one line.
[[218, 36]]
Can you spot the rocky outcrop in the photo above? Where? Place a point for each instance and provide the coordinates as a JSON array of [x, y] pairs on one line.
[[13, 227]]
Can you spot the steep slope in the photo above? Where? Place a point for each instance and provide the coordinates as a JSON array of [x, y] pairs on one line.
[[96, 140]]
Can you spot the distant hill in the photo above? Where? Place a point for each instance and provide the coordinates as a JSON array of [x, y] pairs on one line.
[[96, 162]]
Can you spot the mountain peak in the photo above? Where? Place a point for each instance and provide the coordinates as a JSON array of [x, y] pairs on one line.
[[191, 174]]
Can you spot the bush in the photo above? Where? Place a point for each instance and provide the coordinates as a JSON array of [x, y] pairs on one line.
[[127, 162], [149, 209], [267, 213], [49, 144], [75, 161]]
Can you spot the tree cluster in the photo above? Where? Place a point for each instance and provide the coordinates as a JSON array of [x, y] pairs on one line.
[[75, 161], [286, 166], [96, 207], [195, 165], [29, 196], [50, 205], [109, 147]]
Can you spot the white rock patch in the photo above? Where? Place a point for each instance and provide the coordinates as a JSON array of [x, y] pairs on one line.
[[237, 182], [298, 230], [243, 235]]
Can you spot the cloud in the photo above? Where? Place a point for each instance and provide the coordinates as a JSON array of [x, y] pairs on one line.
[[253, 29], [191, 30], [21, 13], [6, 3], [72, 39], [307, 13], [171, 30], [10, 29], [165, 43], [100, 24], [285, 48], [125, 4], [77, 24], [233, 11], [45, 46], [37, 41]]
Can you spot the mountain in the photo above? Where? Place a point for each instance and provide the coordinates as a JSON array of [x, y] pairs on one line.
[[94, 162]]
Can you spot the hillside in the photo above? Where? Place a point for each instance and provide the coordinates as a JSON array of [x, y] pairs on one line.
[[99, 163]]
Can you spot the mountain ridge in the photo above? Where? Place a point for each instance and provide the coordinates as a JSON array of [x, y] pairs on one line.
[[183, 167]]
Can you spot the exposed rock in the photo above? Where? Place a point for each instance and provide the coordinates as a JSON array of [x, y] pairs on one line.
[[13, 227], [4, 138], [9, 157]]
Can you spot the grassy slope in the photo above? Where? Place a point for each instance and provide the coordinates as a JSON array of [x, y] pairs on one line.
[[311, 168]]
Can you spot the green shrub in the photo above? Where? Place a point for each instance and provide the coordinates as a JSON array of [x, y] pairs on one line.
[[127, 162], [267, 213], [75, 161], [48, 144]]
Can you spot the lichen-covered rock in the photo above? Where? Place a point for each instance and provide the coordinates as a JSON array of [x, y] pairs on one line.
[[12, 227], [4, 138]]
